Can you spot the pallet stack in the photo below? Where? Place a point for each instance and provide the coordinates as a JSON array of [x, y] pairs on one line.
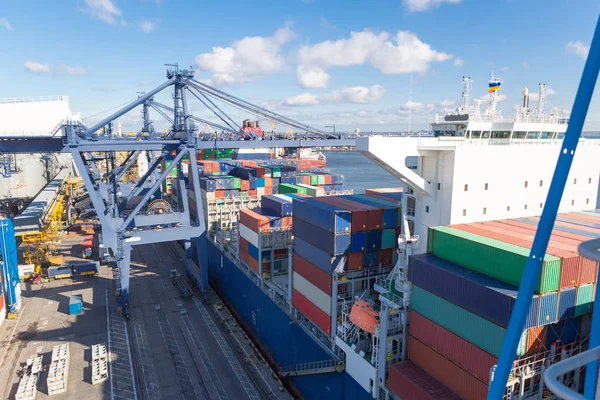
[[58, 373], [465, 289], [99, 364], [27, 388]]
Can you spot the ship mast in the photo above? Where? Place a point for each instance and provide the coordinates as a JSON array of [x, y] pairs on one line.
[[493, 90], [466, 95], [542, 98]]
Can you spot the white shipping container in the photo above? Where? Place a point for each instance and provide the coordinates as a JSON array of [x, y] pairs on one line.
[[26, 269], [260, 191], [249, 235], [316, 296]]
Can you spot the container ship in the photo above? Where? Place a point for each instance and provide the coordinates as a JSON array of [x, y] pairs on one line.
[[406, 292]]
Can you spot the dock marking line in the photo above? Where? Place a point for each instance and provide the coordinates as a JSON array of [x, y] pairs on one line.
[[11, 335]]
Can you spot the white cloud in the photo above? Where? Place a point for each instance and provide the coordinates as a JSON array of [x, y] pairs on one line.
[[104, 10], [416, 106], [447, 104], [36, 67], [505, 68], [486, 97], [579, 48], [73, 70], [424, 5], [246, 59], [536, 96], [355, 94], [398, 54], [312, 77], [5, 24], [458, 62], [148, 26]]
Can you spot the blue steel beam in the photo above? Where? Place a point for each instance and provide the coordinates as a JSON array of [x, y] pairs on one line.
[[540, 243]]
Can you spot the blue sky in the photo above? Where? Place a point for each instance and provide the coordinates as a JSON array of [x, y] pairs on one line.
[[320, 61]]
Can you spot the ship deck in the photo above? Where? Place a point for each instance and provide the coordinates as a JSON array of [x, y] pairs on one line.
[[170, 348]]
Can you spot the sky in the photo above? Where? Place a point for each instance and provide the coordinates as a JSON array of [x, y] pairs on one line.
[[322, 62]]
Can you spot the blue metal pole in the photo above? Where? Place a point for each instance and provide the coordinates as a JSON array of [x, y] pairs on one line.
[[589, 388], [531, 275]]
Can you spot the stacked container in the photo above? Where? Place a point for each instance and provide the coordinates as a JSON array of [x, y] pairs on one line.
[[464, 292]]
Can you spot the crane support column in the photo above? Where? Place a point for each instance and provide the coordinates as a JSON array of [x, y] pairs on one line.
[[10, 269]]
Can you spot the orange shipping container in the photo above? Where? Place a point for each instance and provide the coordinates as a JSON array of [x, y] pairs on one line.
[[253, 220], [536, 340], [444, 371], [219, 194], [244, 184], [268, 189]]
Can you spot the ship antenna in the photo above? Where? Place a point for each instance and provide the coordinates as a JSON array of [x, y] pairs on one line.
[[493, 89], [542, 98], [410, 102], [466, 94]]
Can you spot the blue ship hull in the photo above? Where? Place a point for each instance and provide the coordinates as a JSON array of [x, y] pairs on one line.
[[281, 339]]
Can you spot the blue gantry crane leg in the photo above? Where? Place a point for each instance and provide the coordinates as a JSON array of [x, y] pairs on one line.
[[10, 268], [533, 267]]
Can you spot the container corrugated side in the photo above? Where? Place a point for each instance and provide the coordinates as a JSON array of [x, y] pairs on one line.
[[329, 242], [588, 270], [548, 308], [585, 299], [478, 331], [374, 240], [358, 212], [277, 206], [253, 220], [358, 242], [316, 296], [314, 274], [316, 256], [566, 303], [390, 210], [491, 257], [444, 371], [330, 218], [248, 234], [484, 296], [388, 239], [536, 340], [456, 349], [407, 381], [312, 312]]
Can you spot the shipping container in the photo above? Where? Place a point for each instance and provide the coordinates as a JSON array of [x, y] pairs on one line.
[[374, 240], [330, 218], [329, 242], [288, 188], [548, 308], [318, 257], [491, 257], [572, 330], [75, 304], [482, 295], [588, 271], [566, 303], [536, 340], [409, 382], [354, 261], [364, 216], [253, 220], [88, 268], [585, 299], [389, 240], [312, 312], [476, 330], [248, 234], [313, 190], [358, 242], [276, 205], [390, 210], [316, 296], [456, 349], [447, 373], [313, 274], [385, 257], [370, 259]]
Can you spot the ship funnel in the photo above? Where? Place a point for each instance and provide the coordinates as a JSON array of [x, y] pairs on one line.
[[525, 93]]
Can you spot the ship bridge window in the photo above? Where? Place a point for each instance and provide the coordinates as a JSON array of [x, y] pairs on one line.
[[438, 133], [519, 135], [500, 135], [533, 135], [560, 135], [547, 135], [476, 134], [485, 135]]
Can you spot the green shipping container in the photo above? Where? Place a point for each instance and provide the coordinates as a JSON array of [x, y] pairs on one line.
[[288, 188], [474, 329], [166, 165], [314, 180], [321, 179], [275, 172], [491, 257], [243, 193], [310, 190], [388, 238], [236, 183], [585, 299]]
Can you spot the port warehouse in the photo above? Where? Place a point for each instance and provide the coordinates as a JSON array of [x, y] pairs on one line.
[[340, 244], [332, 244]]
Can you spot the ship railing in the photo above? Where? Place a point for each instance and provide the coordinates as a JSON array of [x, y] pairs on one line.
[[32, 99], [553, 376], [314, 367]]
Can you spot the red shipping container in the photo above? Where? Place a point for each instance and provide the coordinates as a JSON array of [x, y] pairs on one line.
[[244, 256], [254, 220], [260, 171], [268, 182], [243, 244], [252, 192], [583, 217], [244, 184], [384, 257], [359, 215], [286, 222], [249, 163], [556, 233], [280, 252], [306, 179], [219, 194], [210, 166], [447, 373], [355, 261], [253, 263], [313, 274], [2, 303], [536, 340], [588, 270], [312, 312], [407, 381], [328, 179], [556, 242], [456, 349]]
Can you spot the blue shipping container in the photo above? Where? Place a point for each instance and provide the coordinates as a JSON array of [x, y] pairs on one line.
[[370, 259], [482, 295], [374, 240], [85, 268], [566, 303], [316, 256], [548, 308], [358, 243], [253, 251], [571, 330], [207, 184], [331, 243], [330, 218], [75, 304], [275, 205]]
